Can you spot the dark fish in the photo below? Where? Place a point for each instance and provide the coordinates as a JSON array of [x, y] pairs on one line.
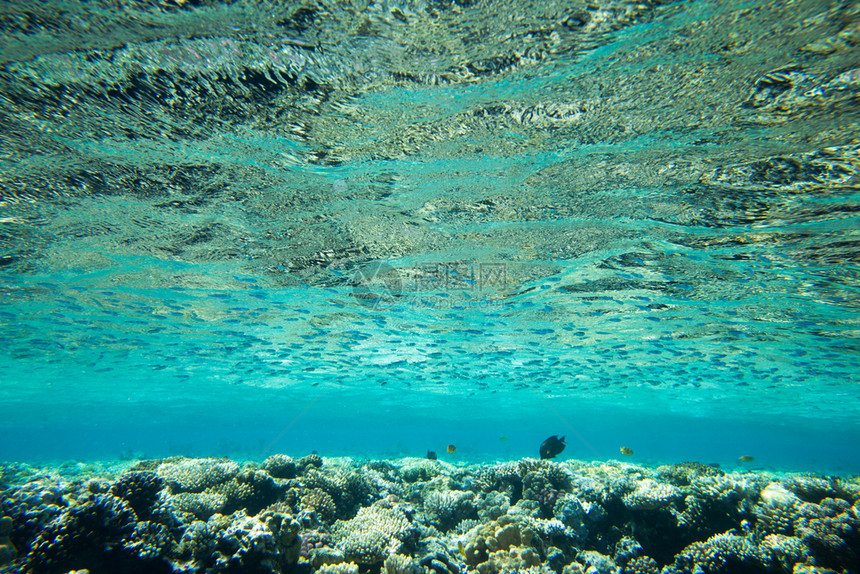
[[746, 458], [431, 454], [452, 449], [552, 447]]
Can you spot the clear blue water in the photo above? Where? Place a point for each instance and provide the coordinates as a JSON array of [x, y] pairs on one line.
[[377, 229]]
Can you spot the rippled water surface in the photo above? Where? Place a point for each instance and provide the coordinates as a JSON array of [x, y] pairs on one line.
[[378, 228]]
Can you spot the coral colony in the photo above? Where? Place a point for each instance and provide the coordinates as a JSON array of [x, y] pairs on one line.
[[425, 516]]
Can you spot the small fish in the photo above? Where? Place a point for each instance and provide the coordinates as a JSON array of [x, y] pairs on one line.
[[452, 449], [503, 438], [431, 455], [626, 451], [746, 458], [552, 447]]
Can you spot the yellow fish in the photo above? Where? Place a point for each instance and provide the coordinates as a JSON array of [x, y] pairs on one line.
[[452, 449], [626, 451], [503, 438], [746, 458]]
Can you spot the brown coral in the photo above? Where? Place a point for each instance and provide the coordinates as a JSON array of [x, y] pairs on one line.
[[487, 538], [514, 559]]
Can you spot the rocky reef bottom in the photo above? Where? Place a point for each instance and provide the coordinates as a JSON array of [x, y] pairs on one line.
[[419, 516]]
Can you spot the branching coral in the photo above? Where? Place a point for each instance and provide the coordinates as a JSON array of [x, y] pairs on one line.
[[720, 554], [280, 466], [445, 509], [196, 474], [374, 533], [650, 495]]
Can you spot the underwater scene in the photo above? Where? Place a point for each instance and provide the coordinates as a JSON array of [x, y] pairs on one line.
[[430, 287]]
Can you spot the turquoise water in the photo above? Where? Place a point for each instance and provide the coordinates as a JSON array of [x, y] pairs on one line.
[[374, 229]]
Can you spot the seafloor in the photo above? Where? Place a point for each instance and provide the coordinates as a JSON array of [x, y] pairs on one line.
[[410, 516]]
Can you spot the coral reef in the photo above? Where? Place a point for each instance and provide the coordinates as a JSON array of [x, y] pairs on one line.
[[446, 509], [415, 516], [196, 474], [320, 503], [650, 495], [140, 489], [376, 532], [399, 564], [7, 549], [280, 466], [722, 553], [100, 533]]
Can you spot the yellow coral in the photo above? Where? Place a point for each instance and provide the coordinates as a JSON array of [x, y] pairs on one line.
[[515, 559]]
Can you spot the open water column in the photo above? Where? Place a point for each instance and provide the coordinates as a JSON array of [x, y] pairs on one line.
[[430, 286]]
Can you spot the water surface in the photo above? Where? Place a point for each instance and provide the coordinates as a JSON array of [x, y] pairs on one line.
[[372, 229]]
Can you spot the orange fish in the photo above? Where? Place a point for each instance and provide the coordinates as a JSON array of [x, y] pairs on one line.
[[452, 449]]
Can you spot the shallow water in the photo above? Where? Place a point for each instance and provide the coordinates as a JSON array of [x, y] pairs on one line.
[[374, 229]]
